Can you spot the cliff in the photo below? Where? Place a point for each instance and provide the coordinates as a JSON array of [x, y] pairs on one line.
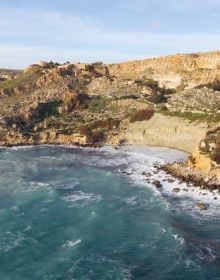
[[164, 131], [182, 70], [171, 101]]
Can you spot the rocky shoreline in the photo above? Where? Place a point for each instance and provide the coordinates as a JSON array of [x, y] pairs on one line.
[[188, 174], [181, 171]]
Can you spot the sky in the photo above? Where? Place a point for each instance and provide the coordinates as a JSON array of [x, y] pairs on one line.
[[104, 30]]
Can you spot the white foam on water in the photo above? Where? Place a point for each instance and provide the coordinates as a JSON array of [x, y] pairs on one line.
[[143, 159], [71, 243], [12, 241], [179, 239], [16, 148], [79, 195]]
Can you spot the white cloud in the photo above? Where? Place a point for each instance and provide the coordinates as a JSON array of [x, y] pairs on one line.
[[30, 36]]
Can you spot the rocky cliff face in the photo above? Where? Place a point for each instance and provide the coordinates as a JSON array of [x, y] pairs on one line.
[[207, 155], [183, 70], [169, 101], [164, 131]]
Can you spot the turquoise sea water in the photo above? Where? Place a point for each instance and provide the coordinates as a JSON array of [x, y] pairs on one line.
[[68, 213]]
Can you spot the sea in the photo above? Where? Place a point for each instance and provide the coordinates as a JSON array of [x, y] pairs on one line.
[[85, 213]]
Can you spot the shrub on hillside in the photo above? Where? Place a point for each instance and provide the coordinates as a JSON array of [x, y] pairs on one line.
[[142, 115], [216, 157], [97, 136], [95, 131], [148, 83], [45, 110], [214, 85], [93, 135], [97, 105], [18, 120]]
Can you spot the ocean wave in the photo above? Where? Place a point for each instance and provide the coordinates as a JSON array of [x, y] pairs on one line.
[[82, 196], [71, 243], [10, 241], [179, 239], [140, 160]]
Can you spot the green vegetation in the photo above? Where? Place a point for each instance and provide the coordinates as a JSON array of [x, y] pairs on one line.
[[154, 85], [148, 83], [215, 85], [107, 125], [21, 80], [193, 117], [142, 115], [160, 93], [17, 120], [98, 63], [97, 105], [45, 110], [95, 131]]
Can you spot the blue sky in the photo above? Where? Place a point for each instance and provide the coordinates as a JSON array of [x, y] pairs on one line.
[[104, 30]]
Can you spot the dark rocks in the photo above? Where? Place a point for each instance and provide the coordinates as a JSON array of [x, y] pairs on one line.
[[157, 184], [147, 174], [201, 206], [191, 175], [176, 190], [170, 180], [147, 180]]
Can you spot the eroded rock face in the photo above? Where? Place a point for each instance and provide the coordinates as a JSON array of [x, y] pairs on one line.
[[76, 103], [164, 131], [206, 157], [173, 71], [189, 174]]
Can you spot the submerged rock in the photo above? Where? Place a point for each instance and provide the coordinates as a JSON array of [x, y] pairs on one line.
[[202, 206]]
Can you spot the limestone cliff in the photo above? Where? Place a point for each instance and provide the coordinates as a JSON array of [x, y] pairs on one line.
[[206, 156], [169, 101], [181, 70], [164, 131]]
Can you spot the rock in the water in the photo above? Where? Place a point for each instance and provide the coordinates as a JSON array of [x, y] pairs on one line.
[[176, 190], [157, 184], [147, 174], [202, 206], [170, 180]]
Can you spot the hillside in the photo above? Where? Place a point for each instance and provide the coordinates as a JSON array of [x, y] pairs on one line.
[[171, 101], [174, 71]]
